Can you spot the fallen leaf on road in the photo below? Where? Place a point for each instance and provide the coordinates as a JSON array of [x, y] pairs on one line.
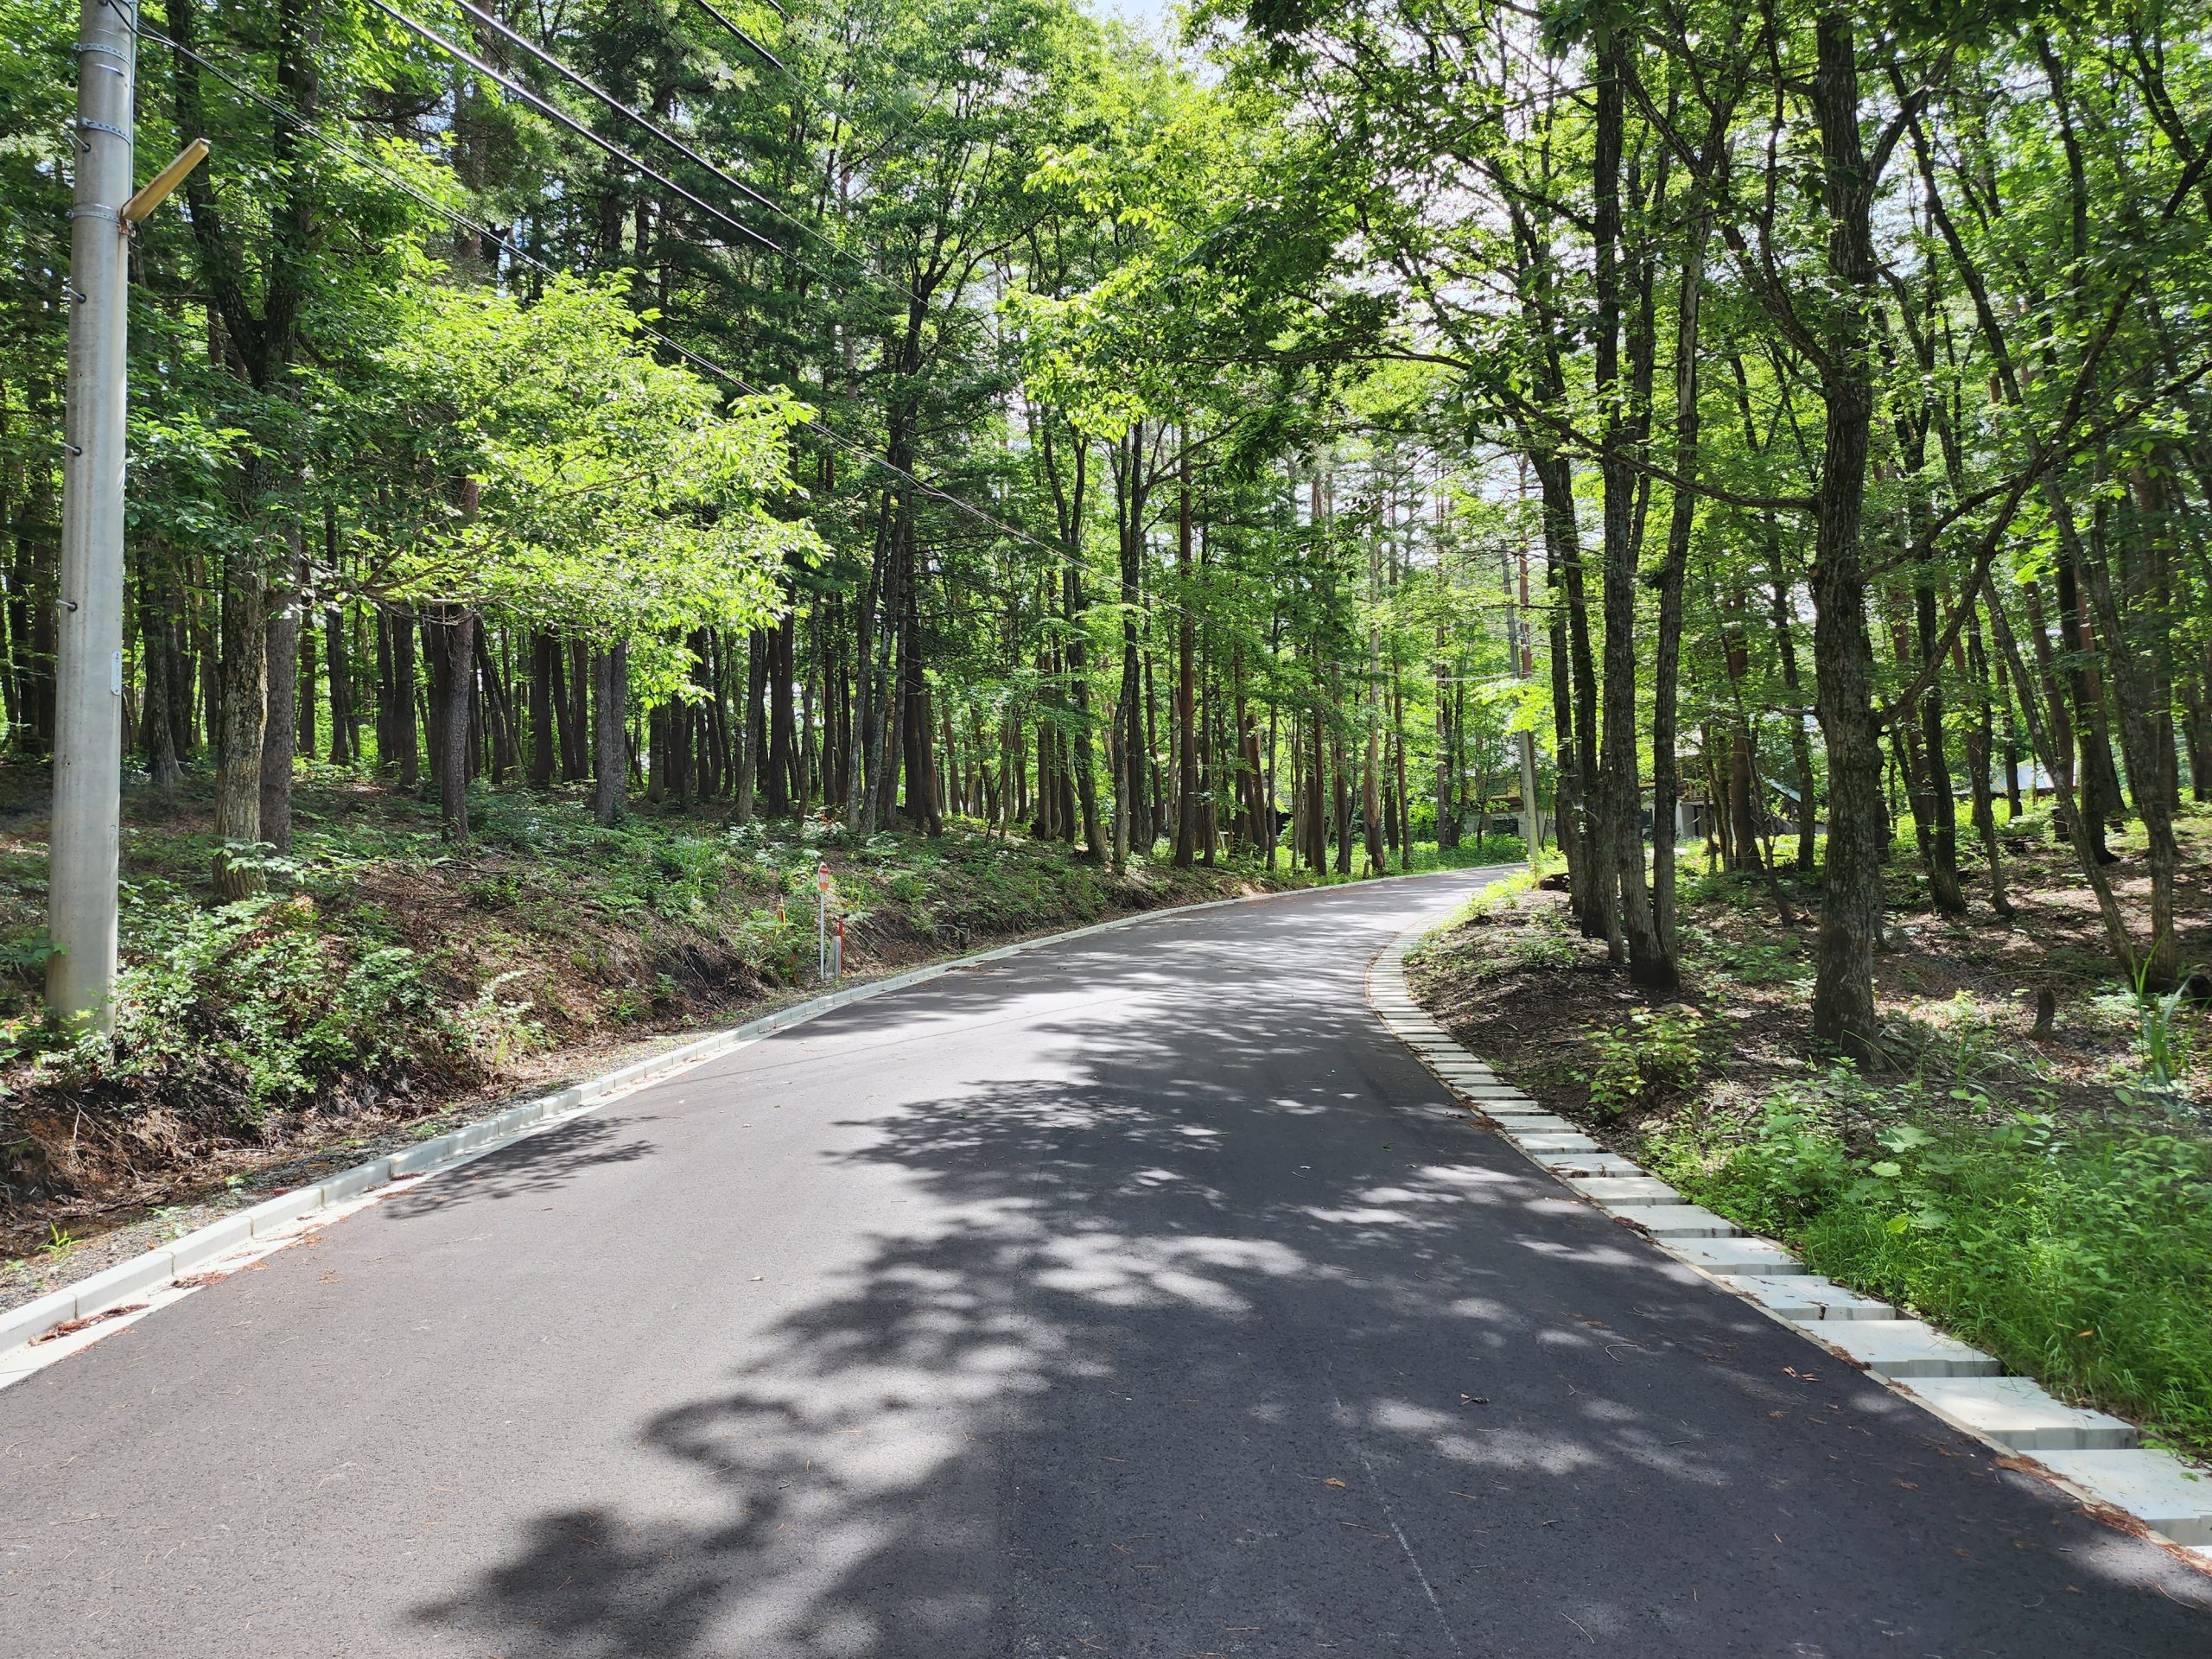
[[71, 1327]]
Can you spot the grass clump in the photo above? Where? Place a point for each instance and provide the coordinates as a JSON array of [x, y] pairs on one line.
[[2082, 1257]]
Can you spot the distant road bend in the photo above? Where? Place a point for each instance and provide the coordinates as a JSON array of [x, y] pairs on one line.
[[1132, 1298]]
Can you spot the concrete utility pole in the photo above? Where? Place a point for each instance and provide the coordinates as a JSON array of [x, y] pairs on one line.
[[88, 669], [83, 845]]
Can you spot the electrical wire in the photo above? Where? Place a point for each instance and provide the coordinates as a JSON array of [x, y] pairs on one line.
[[609, 100], [835, 438], [768, 56], [882, 284], [546, 106]]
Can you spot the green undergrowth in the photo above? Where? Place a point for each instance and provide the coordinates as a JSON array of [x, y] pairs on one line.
[[2080, 1255]]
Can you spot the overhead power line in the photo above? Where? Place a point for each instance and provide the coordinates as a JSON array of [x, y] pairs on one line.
[[608, 98], [338, 146], [546, 106], [772, 59], [882, 285]]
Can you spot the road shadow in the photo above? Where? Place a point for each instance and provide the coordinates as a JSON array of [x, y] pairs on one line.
[[1220, 1335], [530, 1168]]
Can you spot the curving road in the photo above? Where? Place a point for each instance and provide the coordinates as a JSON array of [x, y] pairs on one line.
[[1133, 1298]]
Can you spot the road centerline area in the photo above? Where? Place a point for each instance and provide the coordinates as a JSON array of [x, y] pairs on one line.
[[1130, 1298]]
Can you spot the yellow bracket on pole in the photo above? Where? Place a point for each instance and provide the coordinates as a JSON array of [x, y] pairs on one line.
[[159, 188]]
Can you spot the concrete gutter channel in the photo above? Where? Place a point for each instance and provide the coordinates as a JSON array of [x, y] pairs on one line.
[[95, 1308], [2089, 1454]]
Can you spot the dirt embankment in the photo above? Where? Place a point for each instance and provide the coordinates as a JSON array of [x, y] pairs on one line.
[[391, 985]]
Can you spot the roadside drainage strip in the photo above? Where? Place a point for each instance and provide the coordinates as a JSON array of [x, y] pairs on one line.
[[2094, 1456], [62, 1322]]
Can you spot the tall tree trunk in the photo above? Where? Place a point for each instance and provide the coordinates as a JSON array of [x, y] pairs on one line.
[[1843, 658], [544, 698], [577, 738], [337, 670], [1801, 746], [860, 778], [1617, 845], [338, 660], [1943, 886], [1447, 812], [776, 781], [405, 732], [387, 681], [1317, 818], [1340, 776], [238, 871], [2098, 778], [2058, 718], [1980, 747], [280, 727], [1575, 691], [1666, 788], [456, 640], [1186, 750], [2196, 732], [498, 713], [304, 734], [658, 743], [610, 733], [157, 632], [2086, 851], [1370, 787], [749, 726], [2144, 699], [1086, 781], [1129, 782]]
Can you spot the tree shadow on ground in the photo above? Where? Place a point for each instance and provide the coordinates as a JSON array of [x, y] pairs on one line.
[[530, 1168], [1220, 1333]]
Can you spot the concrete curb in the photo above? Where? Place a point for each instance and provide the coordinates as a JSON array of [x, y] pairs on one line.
[[2088, 1453], [148, 1274]]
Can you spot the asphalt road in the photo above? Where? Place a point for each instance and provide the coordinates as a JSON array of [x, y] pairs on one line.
[[1131, 1298]]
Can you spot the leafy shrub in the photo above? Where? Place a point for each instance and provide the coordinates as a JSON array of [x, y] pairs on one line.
[[1548, 952], [1958, 1045], [1772, 1174], [497, 1029], [255, 1004], [1658, 1051], [2161, 1028], [1758, 959]]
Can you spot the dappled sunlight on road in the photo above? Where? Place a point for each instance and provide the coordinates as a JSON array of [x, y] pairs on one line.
[[1144, 1369]]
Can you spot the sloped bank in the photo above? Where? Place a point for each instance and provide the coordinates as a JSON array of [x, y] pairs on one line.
[[393, 987]]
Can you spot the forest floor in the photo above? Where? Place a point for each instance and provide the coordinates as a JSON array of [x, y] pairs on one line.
[[392, 986], [2047, 1197]]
